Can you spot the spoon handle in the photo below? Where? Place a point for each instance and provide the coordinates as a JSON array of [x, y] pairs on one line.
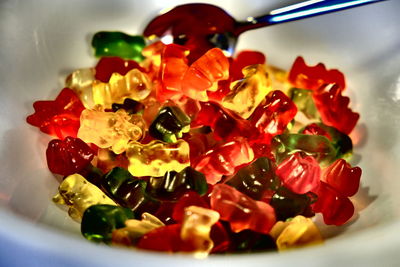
[[298, 11]]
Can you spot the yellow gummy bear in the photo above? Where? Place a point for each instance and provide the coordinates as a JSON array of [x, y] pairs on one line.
[[135, 85], [248, 93], [157, 157], [298, 232], [110, 129], [80, 81], [76, 192], [196, 228], [135, 229]]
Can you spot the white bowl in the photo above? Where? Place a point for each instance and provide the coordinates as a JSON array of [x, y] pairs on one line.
[[42, 41]]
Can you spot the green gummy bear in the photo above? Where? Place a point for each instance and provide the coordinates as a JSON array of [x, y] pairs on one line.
[[169, 125], [99, 221], [317, 146], [118, 44], [304, 102]]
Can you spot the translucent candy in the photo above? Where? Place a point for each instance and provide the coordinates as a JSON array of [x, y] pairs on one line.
[[134, 84], [304, 102], [157, 157], [60, 117], [299, 174], [68, 156], [248, 93], [316, 146], [224, 158], [134, 229], [243, 59], [81, 81], [118, 44], [312, 78], [169, 125], [110, 129], [99, 221], [256, 179], [241, 211], [203, 75], [341, 176], [76, 192], [334, 109], [109, 65], [196, 228], [297, 232]]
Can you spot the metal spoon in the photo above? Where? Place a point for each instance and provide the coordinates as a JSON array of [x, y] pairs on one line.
[[201, 27]]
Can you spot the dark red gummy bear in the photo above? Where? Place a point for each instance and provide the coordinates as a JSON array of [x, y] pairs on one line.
[[190, 198], [313, 77], [59, 118], [335, 208], [341, 176], [68, 156], [334, 109], [108, 65], [314, 129]]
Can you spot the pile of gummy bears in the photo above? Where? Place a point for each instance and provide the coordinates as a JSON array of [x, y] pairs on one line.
[[209, 155]]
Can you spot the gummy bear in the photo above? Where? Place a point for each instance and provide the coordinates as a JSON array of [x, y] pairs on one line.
[[99, 221], [248, 93], [256, 179], [174, 184], [297, 232], [118, 44], [108, 65], [134, 84], [68, 156], [224, 158], [341, 176], [81, 82], [110, 129], [134, 229], [169, 125], [340, 141], [225, 125], [334, 109], [303, 98], [107, 160], [203, 75], [250, 241], [157, 157], [241, 211], [128, 191], [288, 204], [190, 198], [196, 228], [312, 78], [299, 174], [335, 208], [316, 146], [59, 118], [243, 59], [274, 114], [76, 192], [130, 106]]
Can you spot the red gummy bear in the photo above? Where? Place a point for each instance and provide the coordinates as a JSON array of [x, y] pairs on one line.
[[225, 125], [335, 209], [312, 78], [224, 158], [343, 178], [190, 198], [59, 118], [314, 129], [243, 59], [241, 211], [166, 238], [300, 175], [108, 65], [68, 156], [334, 110], [274, 114]]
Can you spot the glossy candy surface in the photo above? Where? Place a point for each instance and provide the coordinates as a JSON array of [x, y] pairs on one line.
[[181, 148]]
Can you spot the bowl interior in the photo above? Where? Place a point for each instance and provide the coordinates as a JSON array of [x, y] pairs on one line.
[[43, 41]]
